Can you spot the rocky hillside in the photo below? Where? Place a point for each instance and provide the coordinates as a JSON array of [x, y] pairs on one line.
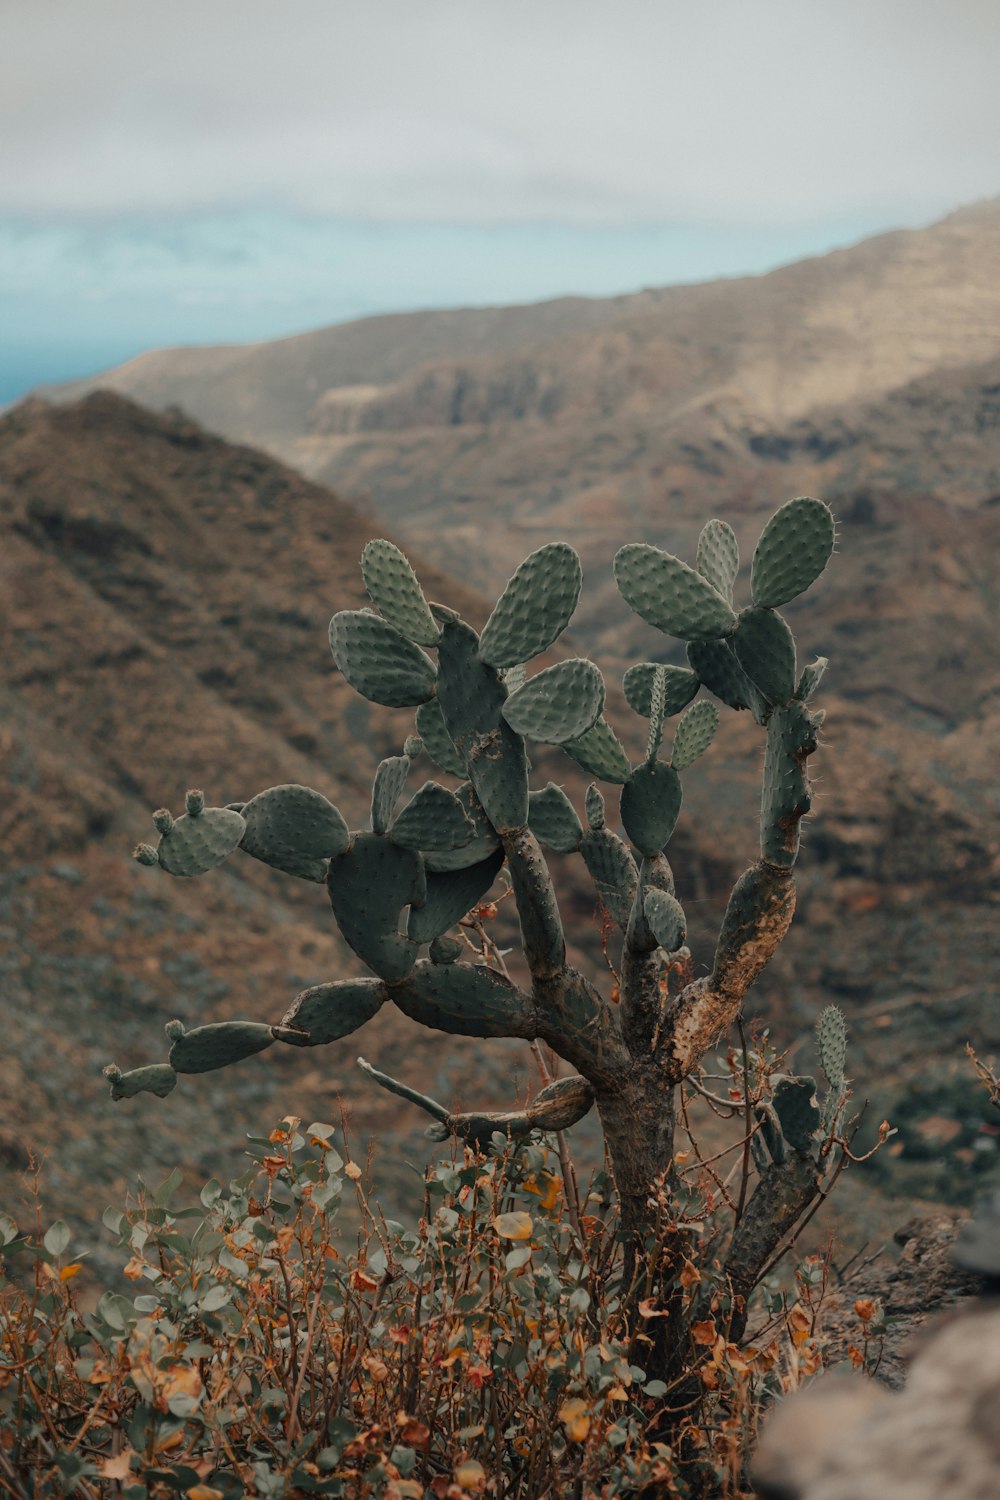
[[163, 608]]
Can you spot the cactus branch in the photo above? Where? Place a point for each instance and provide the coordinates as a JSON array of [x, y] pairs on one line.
[[541, 925], [557, 1106], [758, 916]]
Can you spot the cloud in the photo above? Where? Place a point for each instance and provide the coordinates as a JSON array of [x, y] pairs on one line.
[[581, 112]]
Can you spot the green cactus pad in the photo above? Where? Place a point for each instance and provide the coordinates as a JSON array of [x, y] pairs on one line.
[[831, 1043], [514, 678], [158, 1078], [485, 840], [665, 916], [369, 885], [765, 648], [446, 950], [761, 901], [472, 697], [716, 666], [669, 595], [471, 1000], [559, 704], [810, 679], [199, 841], [393, 588], [552, 819], [595, 807], [450, 896], [795, 1105], [613, 871], [218, 1044], [387, 788], [600, 752], [433, 818], [785, 796], [680, 686], [718, 558], [650, 805], [379, 662], [695, 731], [294, 829], [327, 1012], [437, 741], [655, 874], [534, 608], [794, 548]]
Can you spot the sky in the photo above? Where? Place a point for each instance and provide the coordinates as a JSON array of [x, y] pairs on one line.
[[209, 171]]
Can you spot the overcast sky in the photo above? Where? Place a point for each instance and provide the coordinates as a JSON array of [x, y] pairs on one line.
[[181, 170]]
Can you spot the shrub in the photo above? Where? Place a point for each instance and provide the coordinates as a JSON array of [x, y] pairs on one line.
[[259, 1352]]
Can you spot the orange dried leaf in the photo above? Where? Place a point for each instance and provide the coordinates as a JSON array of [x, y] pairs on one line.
[[118, 1467], [514, 1226], [704, 1332], [574, 1414]]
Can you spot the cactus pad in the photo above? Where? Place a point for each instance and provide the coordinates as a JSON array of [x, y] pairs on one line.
[[765, 648], [666, 919], [484, 841], [437, 741], [600, 752], [326, 1012], [369, 885], [595, 807], [810, 679], [387, 788], [199, 841], [446, 950], [472, 697], [680, 686], [559, 704], [795, 1105], [794, 548], [695, 731], [217, 1045], [785, 796], [450, 896], [393, 588], [718, 558], [613, 871], [535, 607], [655, 874], [433, 818], [158, 1078], [294, 829], [831, 1044], [669, 595], [650, 805], [717, 667], [475, 1000], [379, 662], [552, 819]]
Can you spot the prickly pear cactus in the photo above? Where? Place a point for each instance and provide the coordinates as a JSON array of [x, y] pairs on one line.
[[408, 887]]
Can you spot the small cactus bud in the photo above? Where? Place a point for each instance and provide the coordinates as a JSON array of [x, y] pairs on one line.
[[195, 803], [412, 746], [112, 1073], [145, 854], [175, 1030], [163, 820], [445, 950], [595, 808]]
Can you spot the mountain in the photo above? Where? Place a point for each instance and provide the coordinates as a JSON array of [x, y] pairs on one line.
[[168, 626]]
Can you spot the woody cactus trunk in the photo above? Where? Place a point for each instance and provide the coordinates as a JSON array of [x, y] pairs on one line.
[[407, 879]]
